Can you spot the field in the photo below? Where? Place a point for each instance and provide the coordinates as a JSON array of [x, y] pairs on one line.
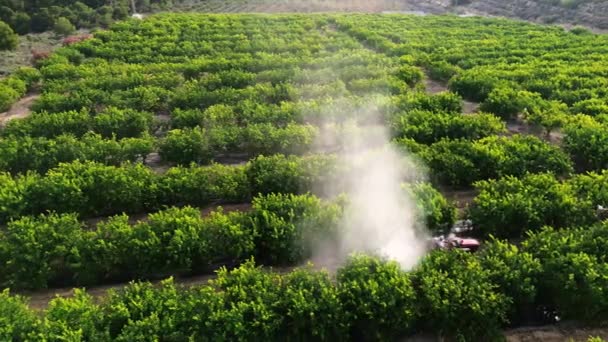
[[290, 6], [141, 132]]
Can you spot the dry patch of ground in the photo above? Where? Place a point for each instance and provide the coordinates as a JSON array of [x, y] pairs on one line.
[[434, 87], [469, 107], [554, 333], [20, 109]]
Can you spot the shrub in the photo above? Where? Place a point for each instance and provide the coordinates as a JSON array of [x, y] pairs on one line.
[[510, 206], [457, 298], [184, 146], [77, 318], [410, 74], [517, 275], [586, 140], [41, 251], [434, 211], [8, 38], [508, 102], [17, 322], [8, 96], [378, 299], [428, 127], [63, 26], [287, 227], [310, 307]]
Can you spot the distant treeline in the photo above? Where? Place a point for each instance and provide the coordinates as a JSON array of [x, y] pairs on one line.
[[25, 16]]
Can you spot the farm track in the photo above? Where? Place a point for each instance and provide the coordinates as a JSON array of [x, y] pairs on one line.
[[142, 217], [40, 299], [20, 109]]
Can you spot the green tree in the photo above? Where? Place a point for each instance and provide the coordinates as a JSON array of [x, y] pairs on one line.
[[378, 298], [76, 318], [41, 251], [63, 27], [586, 140], [41, 20], [17, 321], [457, 297], [508, 102], [516, 273], [435, 212], [311, 308], [8, 38], [509, 206], [21, 22]]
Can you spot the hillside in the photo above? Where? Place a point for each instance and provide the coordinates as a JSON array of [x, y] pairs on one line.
[[589, 13], [593, 14]]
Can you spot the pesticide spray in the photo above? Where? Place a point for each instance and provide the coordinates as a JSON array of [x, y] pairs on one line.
[[380, 217]]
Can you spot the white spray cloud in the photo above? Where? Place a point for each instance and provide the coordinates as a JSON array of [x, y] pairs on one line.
[[380, 217]]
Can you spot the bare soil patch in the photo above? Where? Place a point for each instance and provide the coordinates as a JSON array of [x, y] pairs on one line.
[[156, 163], [469, 107], [20, 109], [554, 333], [548, 333], [518, 127], [434, 87]]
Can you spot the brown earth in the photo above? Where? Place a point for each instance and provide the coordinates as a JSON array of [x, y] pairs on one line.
[[434, 87], [19, 109], [554, 333], [40, 299], [563, 332]]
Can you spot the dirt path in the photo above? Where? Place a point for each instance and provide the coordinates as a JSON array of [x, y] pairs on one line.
[[40, 299], [565, 332], [434, 87], [469, 107], [554, 333], [205, 211], [20, 109]]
